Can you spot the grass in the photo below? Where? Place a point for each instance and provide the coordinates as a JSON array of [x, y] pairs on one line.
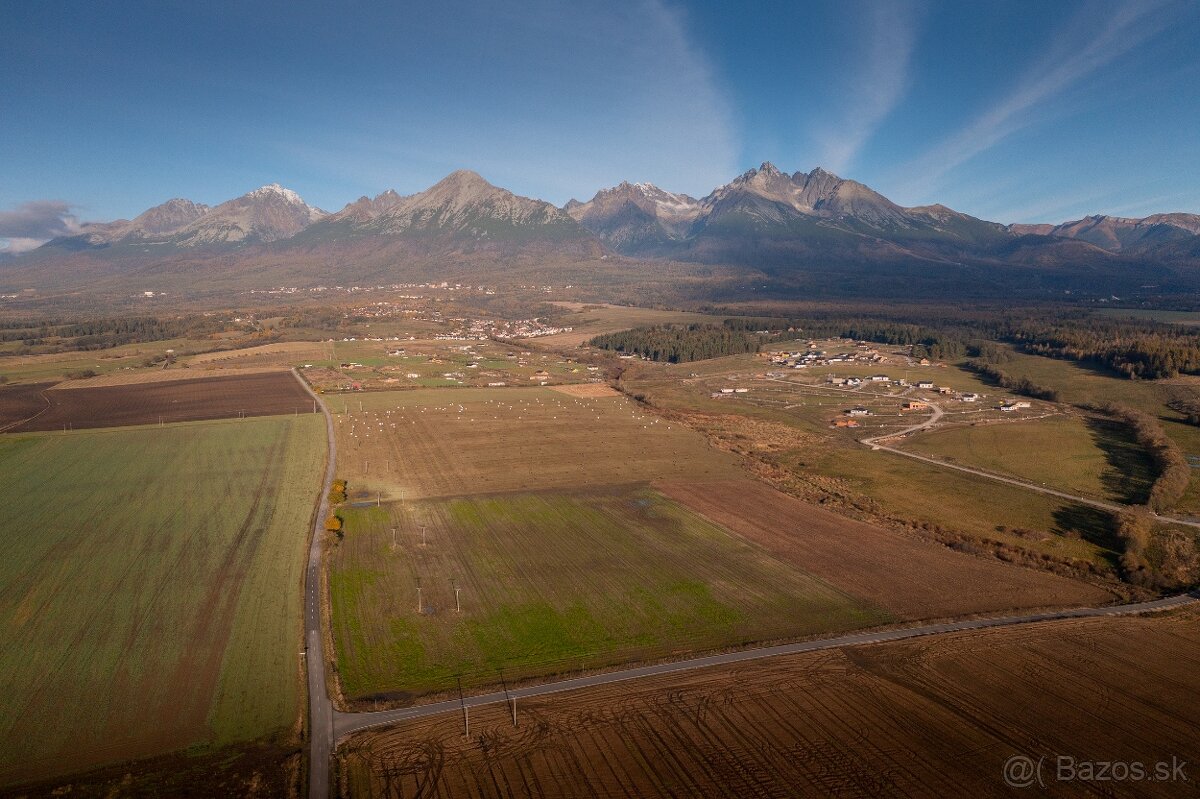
[[1088, 457], [150, 591], [923, 492], [552, 582], [447, 442]]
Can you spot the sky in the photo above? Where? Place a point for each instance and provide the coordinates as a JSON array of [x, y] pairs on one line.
[[1012, 111]]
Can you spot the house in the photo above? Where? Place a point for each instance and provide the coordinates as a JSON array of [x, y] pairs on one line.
[[923, 362], [858, 411], [837, 381], [915, 405], [879, 378], [727, 391], [925, 384], [540, 374], [1012, 406], [969, 396]]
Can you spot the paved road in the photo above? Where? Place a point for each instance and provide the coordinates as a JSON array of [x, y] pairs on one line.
[[320, 709], [347, 723]]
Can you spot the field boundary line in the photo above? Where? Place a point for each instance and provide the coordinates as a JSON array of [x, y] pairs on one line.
[[346, 724]]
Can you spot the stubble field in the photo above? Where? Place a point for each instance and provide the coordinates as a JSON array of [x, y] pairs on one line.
[[929, 717], [150, 589], [452, 442]]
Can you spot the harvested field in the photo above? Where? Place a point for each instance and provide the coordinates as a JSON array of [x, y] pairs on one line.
[[451, 442], [142, 376], [591, 390], [279, 354], [263, 394], [911, 579], [551, 583], [20, 402], [150, 590], [927, 717]]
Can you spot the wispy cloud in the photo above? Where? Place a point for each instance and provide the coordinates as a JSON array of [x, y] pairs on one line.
[[1098, 34], [876, 86], [32, 224], [551, 100]]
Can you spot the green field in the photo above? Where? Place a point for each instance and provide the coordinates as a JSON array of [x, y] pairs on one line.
[[150, 591], [1090, 457], [553, 582]]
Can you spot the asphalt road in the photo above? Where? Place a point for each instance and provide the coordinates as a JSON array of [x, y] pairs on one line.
[[345, 724], [328, 726], [320, 709]]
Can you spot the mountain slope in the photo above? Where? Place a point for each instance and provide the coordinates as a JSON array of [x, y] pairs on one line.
[[1117, 234]]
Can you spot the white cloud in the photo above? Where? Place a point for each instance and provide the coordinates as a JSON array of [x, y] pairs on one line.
[[1099, 33], [32, 224], [875, 87]]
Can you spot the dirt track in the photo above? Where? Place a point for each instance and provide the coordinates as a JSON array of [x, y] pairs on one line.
[[20, 402], [266, 394], [912, 579]]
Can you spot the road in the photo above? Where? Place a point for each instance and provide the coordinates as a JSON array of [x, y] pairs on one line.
[[328, 726], [320, 708], [347, 723], [1116, 507]]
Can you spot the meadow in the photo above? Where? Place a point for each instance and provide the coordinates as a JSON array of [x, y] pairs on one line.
[[449, 442], [553, 582], [1086, 456], [150, 591]]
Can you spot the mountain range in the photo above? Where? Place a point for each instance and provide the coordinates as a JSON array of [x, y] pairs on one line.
[[786, 227]]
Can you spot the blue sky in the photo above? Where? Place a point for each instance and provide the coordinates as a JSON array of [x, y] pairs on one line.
[[1012, 111]]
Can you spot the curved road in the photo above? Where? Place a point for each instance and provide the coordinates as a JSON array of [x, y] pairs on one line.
[[320, 709], [328, 726], [1116, 507]]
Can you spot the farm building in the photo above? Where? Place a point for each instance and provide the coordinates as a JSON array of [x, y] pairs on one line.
[[925, 384], [858, 411]]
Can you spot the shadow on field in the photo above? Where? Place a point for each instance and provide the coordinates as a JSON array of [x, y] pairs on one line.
[[1093, 525], [1130, 473]]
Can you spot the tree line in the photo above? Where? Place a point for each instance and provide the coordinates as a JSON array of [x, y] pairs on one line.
[[682, 343], [1017, 385]]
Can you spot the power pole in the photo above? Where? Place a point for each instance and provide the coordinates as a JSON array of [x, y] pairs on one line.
[[420, 606], [466, 714], [422, 535]]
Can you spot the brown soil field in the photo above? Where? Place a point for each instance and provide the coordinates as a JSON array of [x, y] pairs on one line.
[[587, 390], [264, 394], [19, 402], [140, 376], [927, 717], [910, 578]]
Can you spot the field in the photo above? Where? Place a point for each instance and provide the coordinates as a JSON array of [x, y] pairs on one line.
[[589, 321], [21, 401], [553, 582], [259, 394], [450, 442], [1085, 456], [783, 428], [150, 589], [909, 578], [927, 717]]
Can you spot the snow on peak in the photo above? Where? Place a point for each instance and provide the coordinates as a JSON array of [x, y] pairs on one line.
[[279, 191]]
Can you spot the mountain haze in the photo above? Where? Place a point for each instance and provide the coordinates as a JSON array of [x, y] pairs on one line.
[[805, 232]]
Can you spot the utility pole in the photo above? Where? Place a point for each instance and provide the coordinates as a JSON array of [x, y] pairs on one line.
[[457, 604], [422, 535], [466, 714]]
